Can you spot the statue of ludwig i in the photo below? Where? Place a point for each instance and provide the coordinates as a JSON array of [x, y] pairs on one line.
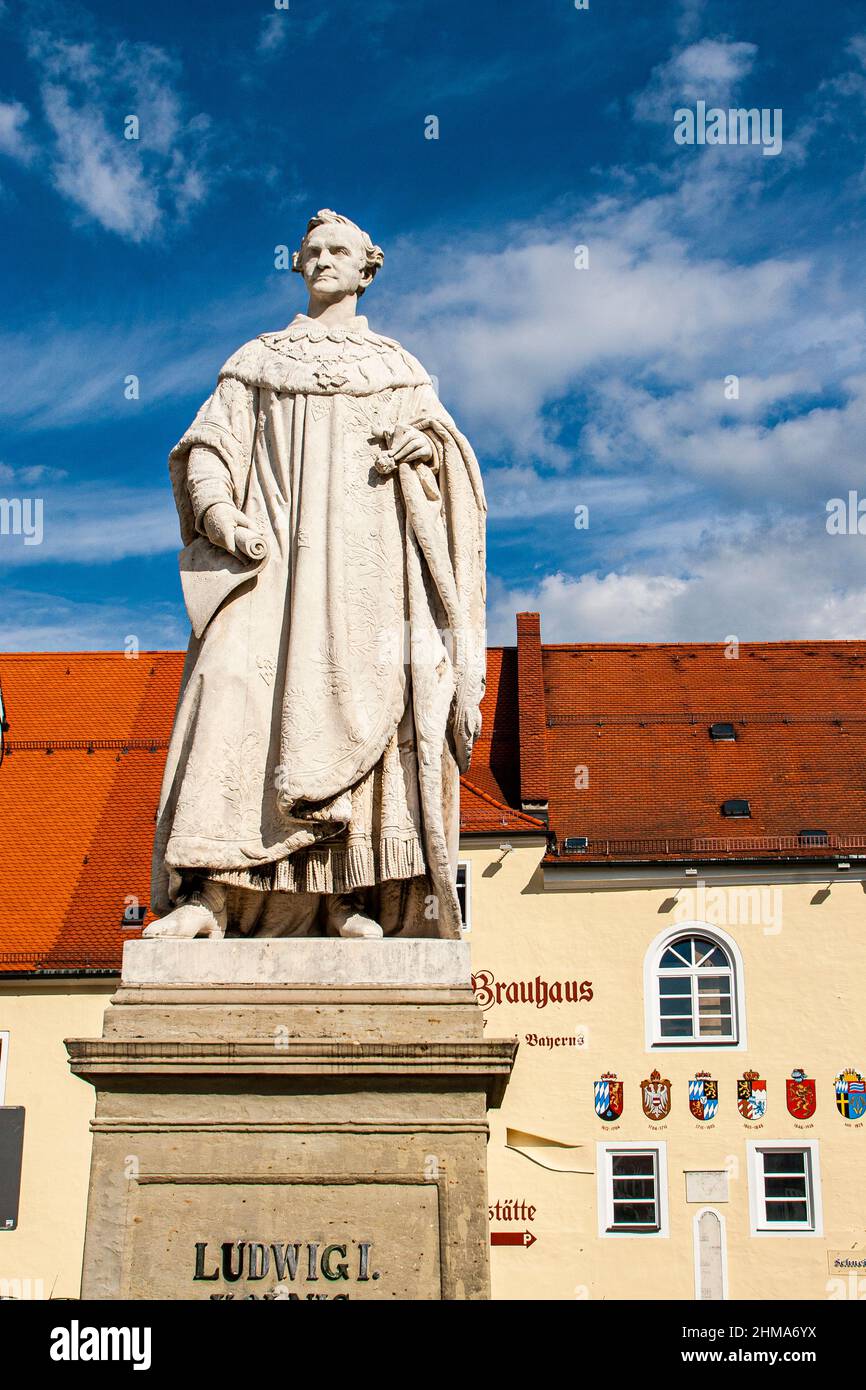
[[333, 518]]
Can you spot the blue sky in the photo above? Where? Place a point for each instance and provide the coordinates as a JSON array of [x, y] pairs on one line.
[[601, 387]]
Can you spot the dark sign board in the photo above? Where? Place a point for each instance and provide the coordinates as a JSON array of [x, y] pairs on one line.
[[11, 1151]]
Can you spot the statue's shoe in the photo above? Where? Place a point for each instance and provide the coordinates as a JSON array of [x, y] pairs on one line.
[[188, 920], [360, 927]]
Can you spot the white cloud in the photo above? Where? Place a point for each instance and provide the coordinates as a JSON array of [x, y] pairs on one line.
[[31, 474], [857, 48], [74, 527], [98, 173], [593, 608], [765, 583], [132, 187], [14, 140], [709, 70], [690, 17], [726, 444], [76, 372], [835, 110], [39, 622], [503, 357], [273, 34], [522, 493]]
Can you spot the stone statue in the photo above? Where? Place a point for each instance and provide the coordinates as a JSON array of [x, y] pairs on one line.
[[334, 525]]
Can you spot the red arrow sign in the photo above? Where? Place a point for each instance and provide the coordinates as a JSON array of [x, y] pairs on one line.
[[524, 1238]]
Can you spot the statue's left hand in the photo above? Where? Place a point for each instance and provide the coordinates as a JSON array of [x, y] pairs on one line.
[[411, 446]]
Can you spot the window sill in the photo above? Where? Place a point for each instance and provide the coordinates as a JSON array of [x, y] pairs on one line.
[[778, 1231]]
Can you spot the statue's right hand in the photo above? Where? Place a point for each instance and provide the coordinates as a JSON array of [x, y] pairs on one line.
[[220, 522]]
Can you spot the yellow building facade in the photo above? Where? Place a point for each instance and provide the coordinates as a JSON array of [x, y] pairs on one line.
[[41, 1256], [796, 953]]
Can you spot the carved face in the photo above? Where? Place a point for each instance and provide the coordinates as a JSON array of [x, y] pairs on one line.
[[334, 262]]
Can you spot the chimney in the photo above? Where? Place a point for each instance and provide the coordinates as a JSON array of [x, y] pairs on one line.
[[4, 726], [532, 714]]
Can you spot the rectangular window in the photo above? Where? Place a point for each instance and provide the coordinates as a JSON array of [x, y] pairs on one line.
[[705, 997], [784, 1188], [714, 1006], [4, 1064], [675, 1000], [632, 1182], [464, 880], [634, 1192]]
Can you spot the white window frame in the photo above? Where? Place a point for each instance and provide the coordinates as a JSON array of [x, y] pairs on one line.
[[604, 1180], [4, 1064], [652, 999], [466, 865], [757, 1211]]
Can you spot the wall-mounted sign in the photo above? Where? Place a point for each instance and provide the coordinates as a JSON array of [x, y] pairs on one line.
[[490, 991], [846, 1261], [521, 1238]]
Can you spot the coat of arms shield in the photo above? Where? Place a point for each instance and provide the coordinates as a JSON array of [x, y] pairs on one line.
[[752, 1096], [608, 1097], [800, 1095], [655, 1095], [851, 1094], [704, 1096]]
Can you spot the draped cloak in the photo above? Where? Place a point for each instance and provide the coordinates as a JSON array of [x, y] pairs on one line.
[[331, 701]]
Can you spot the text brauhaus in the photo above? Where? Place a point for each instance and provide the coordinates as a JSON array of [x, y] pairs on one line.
[[489, 991]]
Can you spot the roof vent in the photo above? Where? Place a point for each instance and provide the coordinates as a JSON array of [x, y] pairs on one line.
[[736, 808], [814, 837], [575, 844], [723, 733]]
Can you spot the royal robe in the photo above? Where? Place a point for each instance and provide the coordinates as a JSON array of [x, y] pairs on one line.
[[331, 700]]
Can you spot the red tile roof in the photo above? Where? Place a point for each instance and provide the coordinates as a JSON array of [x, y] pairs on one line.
[[482, 814], [79, 785], [88, 732], [637, 718]]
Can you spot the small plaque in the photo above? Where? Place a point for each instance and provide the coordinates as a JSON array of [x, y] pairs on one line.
[[707, 1185], [255, 1238], [847, 1262]]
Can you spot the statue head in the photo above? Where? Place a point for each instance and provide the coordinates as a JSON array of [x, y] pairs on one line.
[[336, 258]]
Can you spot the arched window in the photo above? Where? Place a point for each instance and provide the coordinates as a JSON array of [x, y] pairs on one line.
[[695, 989]]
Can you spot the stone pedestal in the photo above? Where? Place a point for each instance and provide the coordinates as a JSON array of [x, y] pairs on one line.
[[323, 1138]]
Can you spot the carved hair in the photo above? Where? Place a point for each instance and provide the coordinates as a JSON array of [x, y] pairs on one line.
[[374, 254]]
